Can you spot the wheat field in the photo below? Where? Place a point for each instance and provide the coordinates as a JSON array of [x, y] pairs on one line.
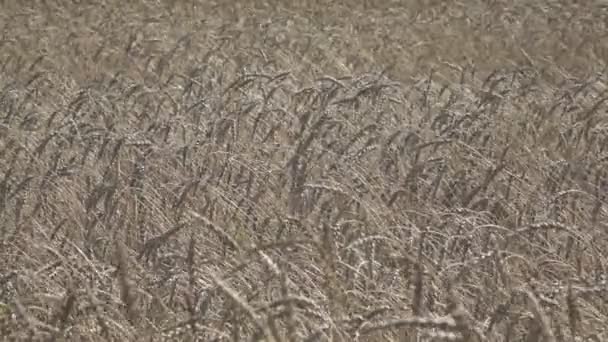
[[357, 170]]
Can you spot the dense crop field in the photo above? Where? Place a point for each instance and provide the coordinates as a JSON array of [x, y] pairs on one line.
[[304, 171]]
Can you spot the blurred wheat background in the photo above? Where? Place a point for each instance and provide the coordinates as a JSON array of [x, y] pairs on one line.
[[303, 171]]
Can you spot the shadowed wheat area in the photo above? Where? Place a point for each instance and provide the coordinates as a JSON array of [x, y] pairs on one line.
[[311, 171]]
